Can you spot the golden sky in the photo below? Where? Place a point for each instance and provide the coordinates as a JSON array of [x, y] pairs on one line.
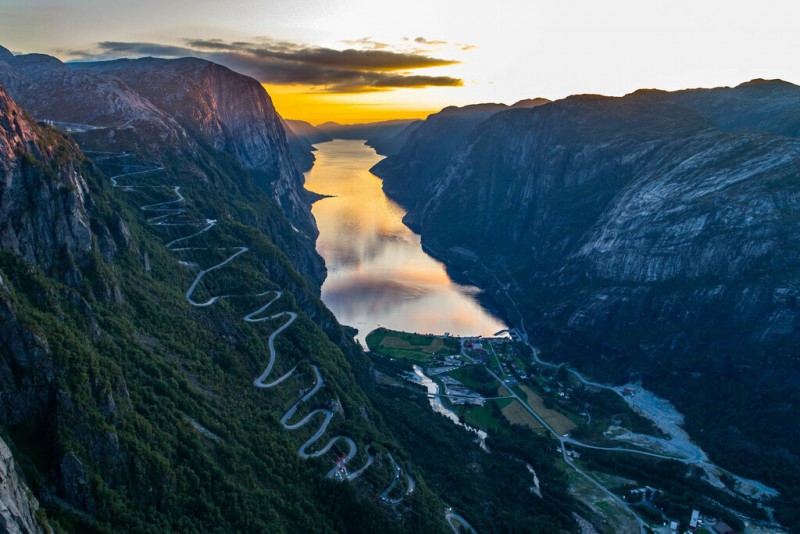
[[309, 104], [360, 60]]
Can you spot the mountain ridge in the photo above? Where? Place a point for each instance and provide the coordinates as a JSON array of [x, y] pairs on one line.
[[231, 111]]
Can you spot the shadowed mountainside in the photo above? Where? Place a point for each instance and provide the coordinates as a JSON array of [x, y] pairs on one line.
[[653, 237], [430, 145]]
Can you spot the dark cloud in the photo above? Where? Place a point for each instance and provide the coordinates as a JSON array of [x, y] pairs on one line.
[[144, 49], [281, 62]]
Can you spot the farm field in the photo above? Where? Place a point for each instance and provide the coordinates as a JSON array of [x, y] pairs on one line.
[[517, 415], [560, 422], [408, 346]]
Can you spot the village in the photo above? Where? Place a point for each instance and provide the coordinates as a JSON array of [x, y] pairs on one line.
[[494, 384]]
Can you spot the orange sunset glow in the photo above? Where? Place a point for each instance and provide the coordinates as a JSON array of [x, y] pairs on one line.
[[304, 103]]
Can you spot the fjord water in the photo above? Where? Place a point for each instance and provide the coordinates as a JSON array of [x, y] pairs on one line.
[[378, 274]]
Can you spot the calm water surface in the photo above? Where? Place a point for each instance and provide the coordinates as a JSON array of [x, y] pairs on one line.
[[378, 274]]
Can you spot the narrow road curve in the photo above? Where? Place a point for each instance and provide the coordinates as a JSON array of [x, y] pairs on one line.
[[396, 473], [453, 519]]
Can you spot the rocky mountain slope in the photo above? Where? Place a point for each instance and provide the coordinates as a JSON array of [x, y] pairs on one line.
[[204, 119], [50, 90], [59, 221], [653, 237], [231, 112], [17, 506], [429, 146], [390, 142], [301, 137], [129, 406], [761, 105]]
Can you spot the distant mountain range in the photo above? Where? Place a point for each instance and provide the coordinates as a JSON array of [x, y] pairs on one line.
[[653, 237]]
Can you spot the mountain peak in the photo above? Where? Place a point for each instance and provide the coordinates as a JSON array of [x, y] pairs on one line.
[[5, 54], [531, 102], [776, 82], [16, 132]]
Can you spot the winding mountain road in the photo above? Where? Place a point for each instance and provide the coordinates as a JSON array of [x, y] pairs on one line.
[[167, 212]]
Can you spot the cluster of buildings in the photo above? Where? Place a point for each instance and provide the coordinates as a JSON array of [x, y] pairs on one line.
[[458, 393], [698, 521]]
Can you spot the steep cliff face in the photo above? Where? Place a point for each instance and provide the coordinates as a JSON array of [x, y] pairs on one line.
[[652, 198], [50, 90], [641, 241], [17, 505], [230, 111], [429, 146], [43, 200], [103, 113]]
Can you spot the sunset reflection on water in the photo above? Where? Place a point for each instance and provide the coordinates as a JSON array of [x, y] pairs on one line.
[[377, 271]]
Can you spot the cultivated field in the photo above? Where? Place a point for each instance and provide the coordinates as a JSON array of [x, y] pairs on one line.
[[560, 422], [517, 415]]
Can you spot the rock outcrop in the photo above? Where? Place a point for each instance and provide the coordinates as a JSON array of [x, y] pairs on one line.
[[43, 197], [229, 111], [18, 506], [49, 89]]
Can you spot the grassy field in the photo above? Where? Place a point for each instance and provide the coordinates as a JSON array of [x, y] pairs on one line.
[[472, 376], [415, 347], [517, 415], [560, 422], [485, 417]]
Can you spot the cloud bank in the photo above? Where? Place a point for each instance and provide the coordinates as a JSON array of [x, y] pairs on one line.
[[373, 67]]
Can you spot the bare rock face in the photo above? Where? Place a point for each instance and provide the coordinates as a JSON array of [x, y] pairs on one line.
[[230, 111], [43, 198], [621, 208], [89, 101], [428, 147], [17, 505]]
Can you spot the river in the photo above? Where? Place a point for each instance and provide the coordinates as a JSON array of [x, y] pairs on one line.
[[378, 274]]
